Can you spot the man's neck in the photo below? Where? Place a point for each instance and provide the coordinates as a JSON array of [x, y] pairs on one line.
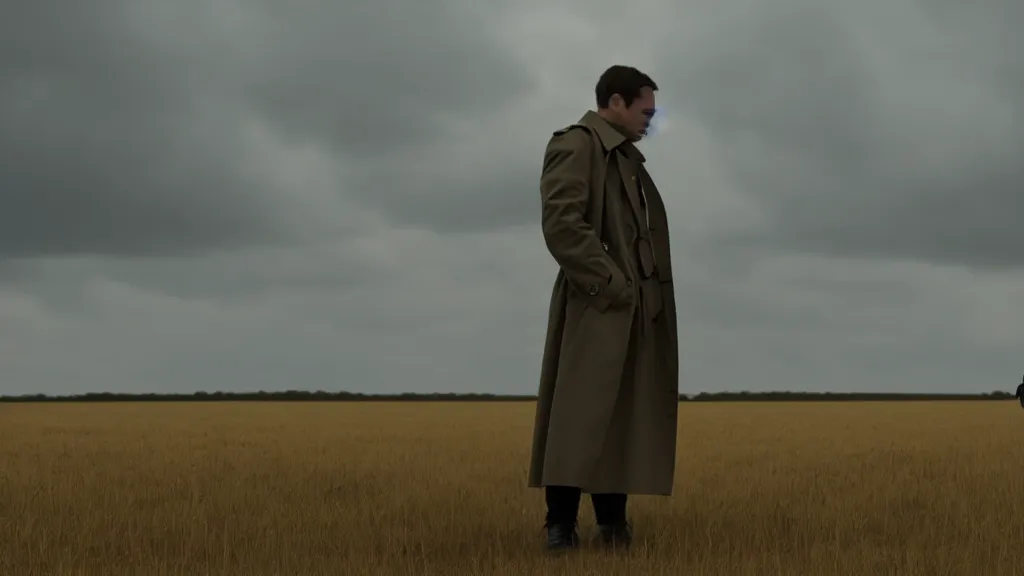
[[607, 115]]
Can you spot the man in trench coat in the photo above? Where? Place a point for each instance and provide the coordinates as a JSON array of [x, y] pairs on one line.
[[609, 391]]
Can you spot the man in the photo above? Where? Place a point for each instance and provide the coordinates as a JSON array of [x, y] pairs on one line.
[[1020, 392], [609, 393]]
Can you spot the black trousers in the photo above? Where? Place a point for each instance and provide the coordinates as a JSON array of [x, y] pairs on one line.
[[564, 504]]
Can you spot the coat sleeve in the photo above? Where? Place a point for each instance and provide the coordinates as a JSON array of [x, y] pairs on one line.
[[565, 190]]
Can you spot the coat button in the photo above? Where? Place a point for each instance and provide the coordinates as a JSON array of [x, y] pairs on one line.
[[594, 289]]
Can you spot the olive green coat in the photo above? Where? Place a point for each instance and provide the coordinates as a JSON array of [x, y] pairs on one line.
[[609, 386]]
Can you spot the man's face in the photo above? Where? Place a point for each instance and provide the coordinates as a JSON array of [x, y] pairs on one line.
[[636, 118]]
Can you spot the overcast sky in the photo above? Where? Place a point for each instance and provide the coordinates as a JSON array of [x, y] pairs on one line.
[[226, 195]]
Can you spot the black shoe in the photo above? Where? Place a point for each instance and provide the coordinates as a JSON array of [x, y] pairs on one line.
[[562, 536], [618, 535]]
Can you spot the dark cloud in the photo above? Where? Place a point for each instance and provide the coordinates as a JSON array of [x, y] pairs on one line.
[[872, 141], [373, 78], [454, 198], [109, 144], [128, 128], [59, 283], [262, 195]]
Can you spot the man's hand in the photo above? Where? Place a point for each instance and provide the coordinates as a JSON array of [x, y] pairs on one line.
[[565, 192]]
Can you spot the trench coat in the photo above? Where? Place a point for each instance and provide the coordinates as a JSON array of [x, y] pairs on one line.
[[608, 399]]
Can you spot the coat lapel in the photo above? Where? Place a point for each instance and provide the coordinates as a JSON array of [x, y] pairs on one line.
[[629, 174], [658, 228], [627, 157]]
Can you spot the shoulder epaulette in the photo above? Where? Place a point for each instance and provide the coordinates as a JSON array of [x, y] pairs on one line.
[[569, 128]]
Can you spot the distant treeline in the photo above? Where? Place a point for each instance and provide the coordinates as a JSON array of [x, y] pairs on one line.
[[321, 396]]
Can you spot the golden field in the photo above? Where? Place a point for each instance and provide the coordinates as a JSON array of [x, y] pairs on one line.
[[910, 488]]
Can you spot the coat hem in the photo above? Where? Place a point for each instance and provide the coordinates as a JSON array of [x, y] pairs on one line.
[[628, 492]]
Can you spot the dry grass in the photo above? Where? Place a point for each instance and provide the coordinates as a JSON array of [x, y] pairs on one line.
[[422, 489]]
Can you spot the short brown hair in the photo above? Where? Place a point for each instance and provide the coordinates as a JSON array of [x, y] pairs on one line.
[[625, 81]]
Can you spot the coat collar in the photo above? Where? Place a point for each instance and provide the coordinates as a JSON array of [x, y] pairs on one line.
[[611, 136]]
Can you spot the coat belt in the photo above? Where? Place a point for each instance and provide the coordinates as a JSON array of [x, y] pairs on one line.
[[650, 301], [650, 289]]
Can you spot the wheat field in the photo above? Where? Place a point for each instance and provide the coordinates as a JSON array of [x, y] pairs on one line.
[[910, 488]]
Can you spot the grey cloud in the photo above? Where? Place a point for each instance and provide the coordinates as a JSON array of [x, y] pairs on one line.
[[821, 323], [374, 78], [481, 175], [109, 145], [261, 195], [454, 198], [447, 321], [123, 134], [60, 283], [876, 138]]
